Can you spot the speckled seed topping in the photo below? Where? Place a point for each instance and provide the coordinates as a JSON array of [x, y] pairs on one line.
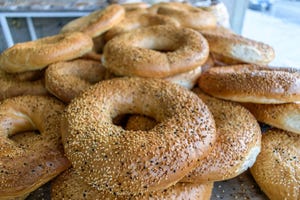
[[252, 83], [237, 145], [157, 51], [71, 186], [277, 168], [26, 165], [122, 161]]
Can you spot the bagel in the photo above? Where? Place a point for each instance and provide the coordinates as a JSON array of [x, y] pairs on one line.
[[38, 54], [66, 80], [154, 8], [252, 83], [25, 168], [283, 116], [28, 83], [138, 20], [71, 186], [189, 79], [96, 22], [237, 146], [276, 169], [138, 52], [135, 6], [130, 162], [235, 47], [189, 16]]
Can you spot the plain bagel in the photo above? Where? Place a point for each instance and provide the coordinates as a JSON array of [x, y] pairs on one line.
[[112, 158], [140, 52], [38, 54]]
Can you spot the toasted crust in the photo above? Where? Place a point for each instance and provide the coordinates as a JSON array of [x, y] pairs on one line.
[[237, 145], [138, 166], [71, 186], [276, 169], [66, 80], [96, 22], [131, 54], [235, 47], [24, 168], [38, 54], [283, 116], [252, 83]]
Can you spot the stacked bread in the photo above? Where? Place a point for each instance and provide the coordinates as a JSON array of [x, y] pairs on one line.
[[132, 127]]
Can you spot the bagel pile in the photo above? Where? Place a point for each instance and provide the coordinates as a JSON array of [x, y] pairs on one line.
[[140, 101]]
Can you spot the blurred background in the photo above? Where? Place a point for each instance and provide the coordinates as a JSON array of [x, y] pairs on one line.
[[275, 22]]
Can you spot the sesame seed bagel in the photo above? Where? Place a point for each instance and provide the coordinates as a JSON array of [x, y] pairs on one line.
[[230, 45], [38, 54], [66, 80], [139, 52], [252, 83], [138, 20], [189, 16], [284, 116], [237, 145], [276, 169], [24, 168], [96, 22], [69, 185], [28, 83], [130, 162]]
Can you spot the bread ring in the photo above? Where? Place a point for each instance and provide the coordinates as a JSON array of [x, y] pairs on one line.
[[189, 16], [71, 186], [276, 169], [227, 44], [252, 83], [237, 146], [137, 53], [25, 168], [284, 116], [66, 80], [96, 22], [134, 21], [38, 54], [12, 85], [143, 161]]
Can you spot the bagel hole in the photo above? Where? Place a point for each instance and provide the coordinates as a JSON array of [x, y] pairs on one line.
[[161, 44], [26, 139], [135, 122]]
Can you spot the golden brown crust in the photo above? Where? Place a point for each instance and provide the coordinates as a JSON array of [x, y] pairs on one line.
[[12, 85], [25, 168], [189, 16], [235, 47], [138, 20], [138, 52], [252, 83], [71, 186], [38, 54], [284, 116], [276, 169], [96, 22], [237, 145], [142, 160], [135, 6], [66, 80]]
